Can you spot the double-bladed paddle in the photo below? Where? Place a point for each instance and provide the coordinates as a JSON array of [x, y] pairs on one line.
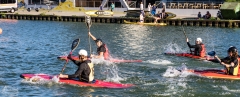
[[88, 22], [186, 38], [74, 46]]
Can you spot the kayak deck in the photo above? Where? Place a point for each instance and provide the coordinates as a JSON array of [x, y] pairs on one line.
[[110, 60], [97, 83], [215, 73], [208, 58]]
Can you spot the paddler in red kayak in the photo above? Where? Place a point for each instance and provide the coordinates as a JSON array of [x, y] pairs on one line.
[[85, 71], [199, 47], [102, 50], [231, 62]]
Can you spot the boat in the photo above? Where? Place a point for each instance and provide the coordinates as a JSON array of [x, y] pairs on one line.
[[97, 83], [99, 13], [207, 58], [215, 73], [110, 60], [152, 24]]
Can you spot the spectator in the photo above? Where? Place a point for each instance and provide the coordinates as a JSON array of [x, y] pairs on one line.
[[141, 17], [207, 15], [199, 15], [163, 12], [101, 7], [219, 15], [141, 6], [112, 7], [158, 16], [149, 7], [154, 9]]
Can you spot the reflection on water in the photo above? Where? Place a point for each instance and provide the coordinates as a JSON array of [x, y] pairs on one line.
[[33, 47]]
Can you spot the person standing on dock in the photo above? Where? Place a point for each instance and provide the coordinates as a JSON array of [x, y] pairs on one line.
[[149, 7], [102, 50], [112, 7], [141, 6], [199, 48], [154, 9], [141, 17]]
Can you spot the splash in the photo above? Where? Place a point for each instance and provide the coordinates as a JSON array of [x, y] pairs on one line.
[[179, 71], [173, 48], [110, 71], [39, 80], [159, 61]]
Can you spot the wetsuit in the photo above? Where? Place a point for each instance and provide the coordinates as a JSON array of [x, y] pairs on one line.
[[84, 71], [231, 70], [198, 48]]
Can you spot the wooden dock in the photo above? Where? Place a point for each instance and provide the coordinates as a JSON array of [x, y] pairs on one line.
[[173, 22]]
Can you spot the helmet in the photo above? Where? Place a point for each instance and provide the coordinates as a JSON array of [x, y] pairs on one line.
[[199, 39], [232, 49], [97, 40], [83, 52]]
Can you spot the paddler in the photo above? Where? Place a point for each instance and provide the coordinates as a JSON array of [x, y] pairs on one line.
[[102, 50], [231, 62], [199, 48], [85, 71]]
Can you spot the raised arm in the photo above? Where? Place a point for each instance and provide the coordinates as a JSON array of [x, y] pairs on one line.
[[94, 38]]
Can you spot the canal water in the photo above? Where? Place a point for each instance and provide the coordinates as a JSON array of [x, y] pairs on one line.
[[33, 47]]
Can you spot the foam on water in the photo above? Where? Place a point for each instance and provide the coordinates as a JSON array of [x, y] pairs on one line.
[[179, 71], [230, 90], [173, 48], [39, 80], [159, 61]]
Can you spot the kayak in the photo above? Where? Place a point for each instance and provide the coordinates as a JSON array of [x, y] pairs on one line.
[[208, 58], [152, 24], [97, 83], [215, 73], [110, 60], [99, 13]]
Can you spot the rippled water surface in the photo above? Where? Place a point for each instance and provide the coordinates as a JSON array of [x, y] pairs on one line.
[[33, 47]]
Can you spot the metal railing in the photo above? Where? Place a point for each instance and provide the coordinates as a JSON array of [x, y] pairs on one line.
[[190, 5]]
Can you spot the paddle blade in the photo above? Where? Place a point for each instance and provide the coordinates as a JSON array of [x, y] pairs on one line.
[[75, 44], [212, 53], [88, 21]]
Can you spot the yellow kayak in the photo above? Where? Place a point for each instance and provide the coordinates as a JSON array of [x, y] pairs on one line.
[[99, 13], [138, 23]]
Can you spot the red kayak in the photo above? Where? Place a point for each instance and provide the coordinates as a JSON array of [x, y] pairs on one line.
[[208, 58], [111, 60], [97, 83], [215, 73]]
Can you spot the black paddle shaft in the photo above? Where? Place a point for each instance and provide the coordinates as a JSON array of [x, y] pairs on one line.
[[74, 46]]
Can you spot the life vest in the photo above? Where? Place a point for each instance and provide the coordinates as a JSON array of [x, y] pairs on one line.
[[91, 75], [106, 53], [237, 71], [203, 51]]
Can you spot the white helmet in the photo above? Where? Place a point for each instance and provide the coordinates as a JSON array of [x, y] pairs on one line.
[[199, 39], [83, 52]]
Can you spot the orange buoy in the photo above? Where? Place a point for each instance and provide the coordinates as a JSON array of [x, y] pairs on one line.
[[0, 30]]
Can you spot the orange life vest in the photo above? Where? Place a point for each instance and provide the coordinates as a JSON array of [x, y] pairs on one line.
[[106, 53], [203, 51]]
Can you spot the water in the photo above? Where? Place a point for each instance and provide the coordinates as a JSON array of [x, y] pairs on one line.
[[33, 47]]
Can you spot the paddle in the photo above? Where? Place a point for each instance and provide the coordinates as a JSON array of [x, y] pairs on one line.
[[213, 53], [186, 38], [88, 22], [74, 46]]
